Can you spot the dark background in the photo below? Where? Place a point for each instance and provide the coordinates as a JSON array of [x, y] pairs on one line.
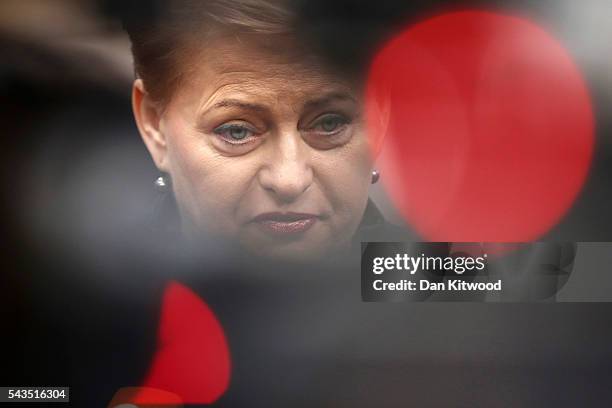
[[77, 191]]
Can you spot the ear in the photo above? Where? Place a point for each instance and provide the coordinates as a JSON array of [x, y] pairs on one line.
[[147, 114]]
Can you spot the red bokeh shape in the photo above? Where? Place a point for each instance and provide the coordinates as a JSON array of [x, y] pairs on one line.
[[487, 126], [193, 359]]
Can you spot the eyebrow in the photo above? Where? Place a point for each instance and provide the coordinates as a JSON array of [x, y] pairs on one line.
[[312, 104], [327, 99], [234, 103]]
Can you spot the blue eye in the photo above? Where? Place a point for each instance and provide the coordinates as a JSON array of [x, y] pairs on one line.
[[234, 132], [331, 123], [238, 133]]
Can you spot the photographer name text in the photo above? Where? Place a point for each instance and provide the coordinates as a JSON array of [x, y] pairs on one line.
[[424, 284]]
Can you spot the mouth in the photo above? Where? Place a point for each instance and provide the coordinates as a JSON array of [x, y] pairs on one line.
[[283, 224]]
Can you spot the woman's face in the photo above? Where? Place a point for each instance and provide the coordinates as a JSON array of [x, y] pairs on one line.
[[264, 149]]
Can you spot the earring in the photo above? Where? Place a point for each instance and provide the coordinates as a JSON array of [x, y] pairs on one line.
[[375, 176], [161, 183]]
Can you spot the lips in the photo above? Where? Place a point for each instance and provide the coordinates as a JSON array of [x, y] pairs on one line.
[[277, 223]]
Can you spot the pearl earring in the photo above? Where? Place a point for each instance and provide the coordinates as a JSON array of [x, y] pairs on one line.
[[375, 176], [161, 184]]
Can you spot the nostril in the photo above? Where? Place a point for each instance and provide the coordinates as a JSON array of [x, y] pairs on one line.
[[286, 181], [287, 187]]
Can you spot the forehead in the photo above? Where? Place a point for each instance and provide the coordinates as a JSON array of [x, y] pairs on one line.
[[263, 66]]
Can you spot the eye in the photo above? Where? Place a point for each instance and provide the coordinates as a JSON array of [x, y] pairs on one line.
[[329, 131], [330, 123], [235, 133]]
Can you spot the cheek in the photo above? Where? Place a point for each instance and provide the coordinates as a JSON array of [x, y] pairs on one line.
[[345, 175], [208, 186]]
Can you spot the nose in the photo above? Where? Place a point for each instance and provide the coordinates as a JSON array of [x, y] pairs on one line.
[[288, 173]]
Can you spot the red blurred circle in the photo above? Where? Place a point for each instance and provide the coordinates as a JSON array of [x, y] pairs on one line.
[[488, 127], [193, 361]]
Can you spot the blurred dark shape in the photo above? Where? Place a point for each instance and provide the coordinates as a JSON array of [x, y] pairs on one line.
[[81, 288]]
